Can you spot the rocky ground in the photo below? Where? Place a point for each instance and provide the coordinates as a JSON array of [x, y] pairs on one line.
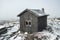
[[52, 32]]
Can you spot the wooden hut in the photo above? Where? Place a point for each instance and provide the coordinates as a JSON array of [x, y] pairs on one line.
[[33, 20]]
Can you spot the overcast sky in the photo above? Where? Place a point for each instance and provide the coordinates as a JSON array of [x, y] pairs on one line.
[[9, 9]]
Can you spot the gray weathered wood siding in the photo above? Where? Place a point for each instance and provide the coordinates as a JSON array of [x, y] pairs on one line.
[[34, 22], [42, 23]]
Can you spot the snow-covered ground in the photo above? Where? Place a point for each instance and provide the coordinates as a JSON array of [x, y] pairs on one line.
[[10, 32], [1, 26], [52, 32]]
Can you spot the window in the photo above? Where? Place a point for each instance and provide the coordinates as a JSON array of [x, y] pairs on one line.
[[28, 23]]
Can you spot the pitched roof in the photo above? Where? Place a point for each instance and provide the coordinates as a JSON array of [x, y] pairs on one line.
[[36, 12]]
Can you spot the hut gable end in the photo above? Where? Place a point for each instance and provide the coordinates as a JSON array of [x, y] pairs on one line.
[[33, 20]]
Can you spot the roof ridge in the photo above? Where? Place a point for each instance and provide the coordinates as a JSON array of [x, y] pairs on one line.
[[36, 12]]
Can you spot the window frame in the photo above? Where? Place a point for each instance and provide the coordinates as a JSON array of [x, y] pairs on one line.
[[28, 23]]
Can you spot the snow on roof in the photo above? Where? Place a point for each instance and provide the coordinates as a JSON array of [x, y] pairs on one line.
[[36, 12]]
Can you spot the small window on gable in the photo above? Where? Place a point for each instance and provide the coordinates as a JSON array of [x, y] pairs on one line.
[[26, 23], [29, 23]]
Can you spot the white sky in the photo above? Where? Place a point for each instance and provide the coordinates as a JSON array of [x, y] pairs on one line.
[[9, 9]]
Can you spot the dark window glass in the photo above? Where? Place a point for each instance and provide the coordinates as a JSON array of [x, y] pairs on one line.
[[26, 23], [29, 23]]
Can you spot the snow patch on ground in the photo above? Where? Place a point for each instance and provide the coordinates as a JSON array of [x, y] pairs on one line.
[[52, 34]]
